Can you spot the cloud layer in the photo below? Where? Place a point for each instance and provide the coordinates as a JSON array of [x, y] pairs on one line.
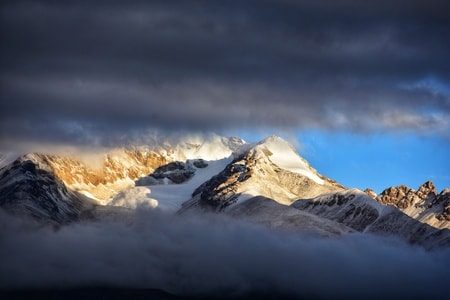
[[89, 72], [209, 255]]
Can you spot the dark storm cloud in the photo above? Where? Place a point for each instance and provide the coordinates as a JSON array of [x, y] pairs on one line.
[[210, 255], [92, 71]]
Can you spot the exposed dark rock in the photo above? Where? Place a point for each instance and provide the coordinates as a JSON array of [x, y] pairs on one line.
[[221, 190], [200, 163], [147, 180], [177, 172]]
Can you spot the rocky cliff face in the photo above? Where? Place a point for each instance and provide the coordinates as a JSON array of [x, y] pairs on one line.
[[425, 204], [119, 169]]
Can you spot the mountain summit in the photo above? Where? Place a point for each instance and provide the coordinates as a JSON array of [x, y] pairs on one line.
[[270, 168]]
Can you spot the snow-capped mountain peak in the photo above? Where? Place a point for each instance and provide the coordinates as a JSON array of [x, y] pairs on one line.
[[284, 155], [270, 168]]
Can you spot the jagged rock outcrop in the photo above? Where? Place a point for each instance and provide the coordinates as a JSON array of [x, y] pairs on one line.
[[403, 196], [424, 204], [400, 196], [427, 190], [371, 193], [28, 186]]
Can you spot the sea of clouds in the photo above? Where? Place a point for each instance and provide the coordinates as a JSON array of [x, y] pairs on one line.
[[207, 255]]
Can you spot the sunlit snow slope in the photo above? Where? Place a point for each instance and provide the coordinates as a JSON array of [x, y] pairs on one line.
[[285, 156], [168, 196]]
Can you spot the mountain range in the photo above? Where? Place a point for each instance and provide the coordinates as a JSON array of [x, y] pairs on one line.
[[266, 183]]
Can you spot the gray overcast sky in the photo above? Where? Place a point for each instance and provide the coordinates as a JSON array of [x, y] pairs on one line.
[[102, 72]]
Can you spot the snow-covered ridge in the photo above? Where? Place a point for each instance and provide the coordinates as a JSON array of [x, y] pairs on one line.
[[359, 211]]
